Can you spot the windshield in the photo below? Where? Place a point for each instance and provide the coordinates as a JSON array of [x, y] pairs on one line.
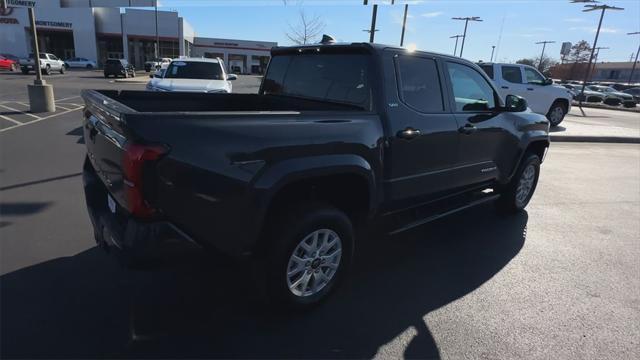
[[342, 78], [194, 70]]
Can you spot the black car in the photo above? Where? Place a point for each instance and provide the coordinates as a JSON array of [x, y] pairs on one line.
[[340, 138], [118, 67]]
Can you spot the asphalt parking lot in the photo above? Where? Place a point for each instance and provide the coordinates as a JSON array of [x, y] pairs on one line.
[[560, 281]]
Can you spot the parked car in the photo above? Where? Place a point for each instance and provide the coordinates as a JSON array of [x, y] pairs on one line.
[[635, 92], [48, 63], [553, 101], [7, 63], [156, 64], [193, 75], [614, 97], [78, 62], [589, 96], [118, 67], [340, 137]]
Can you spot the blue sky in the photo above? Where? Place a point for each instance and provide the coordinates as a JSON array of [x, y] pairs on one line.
[[523, 23]]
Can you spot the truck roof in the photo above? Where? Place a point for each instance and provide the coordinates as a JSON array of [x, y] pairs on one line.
[[365, 46]]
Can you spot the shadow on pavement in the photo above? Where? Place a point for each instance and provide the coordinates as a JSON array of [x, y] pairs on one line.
[[79, 133], [87, 306], [22, 208]]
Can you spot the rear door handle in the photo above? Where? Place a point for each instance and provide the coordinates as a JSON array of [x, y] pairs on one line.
[[504, 87], [468, 129], [409, 133], [530, 89]]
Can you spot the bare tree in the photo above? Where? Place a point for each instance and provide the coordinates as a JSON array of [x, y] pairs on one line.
[[308, 29]]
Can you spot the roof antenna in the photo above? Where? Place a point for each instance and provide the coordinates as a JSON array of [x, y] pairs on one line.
[[327, 39]]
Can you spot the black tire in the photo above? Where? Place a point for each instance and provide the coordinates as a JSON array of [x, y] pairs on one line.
[[507, 203], [66, 66], [62, 69], [133, 74], [554, 112], [89, 66], [47, 69], [287, 231], [25, 72]]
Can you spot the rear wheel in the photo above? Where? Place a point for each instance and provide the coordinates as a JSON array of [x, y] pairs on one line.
[[556, 113], [516, 195], [309, 254], [47, 69], [62, 69]]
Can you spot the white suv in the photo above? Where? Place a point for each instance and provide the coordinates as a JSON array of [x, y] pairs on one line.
[[193, 75], [541, 94]]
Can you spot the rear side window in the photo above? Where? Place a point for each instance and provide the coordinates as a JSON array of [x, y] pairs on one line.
[[419, 83], [341, 78], [488, 69], [512, 74]]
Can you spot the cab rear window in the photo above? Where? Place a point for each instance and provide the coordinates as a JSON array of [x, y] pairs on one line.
[[341, 78]]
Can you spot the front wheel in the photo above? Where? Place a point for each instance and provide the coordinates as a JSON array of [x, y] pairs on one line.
[[62, 69], [309, 254], [516, 195], [556, 113]]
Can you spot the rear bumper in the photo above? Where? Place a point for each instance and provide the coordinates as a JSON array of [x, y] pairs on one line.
[[119, 232]]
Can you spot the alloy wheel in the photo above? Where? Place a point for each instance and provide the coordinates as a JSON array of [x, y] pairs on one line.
[[525, 186], [314, 262]]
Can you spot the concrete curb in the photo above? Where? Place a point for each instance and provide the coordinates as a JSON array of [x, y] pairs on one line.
[[595, 139], [605, 107]]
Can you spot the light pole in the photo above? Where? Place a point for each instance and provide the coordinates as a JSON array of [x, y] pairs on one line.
[[455, 49], [633, 68], [404, 23], [493, 47], [466, 22], [595, 60], [544, 44], [590, 7], [374, 16], [157, 52]]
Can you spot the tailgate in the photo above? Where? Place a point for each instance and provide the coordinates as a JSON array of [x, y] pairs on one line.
[[105, 136]]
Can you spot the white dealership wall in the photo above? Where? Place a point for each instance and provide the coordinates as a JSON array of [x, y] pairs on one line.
[[226, 47], [14, 37]]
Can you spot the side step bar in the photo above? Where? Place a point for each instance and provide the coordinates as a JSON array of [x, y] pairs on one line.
[[428, 219]]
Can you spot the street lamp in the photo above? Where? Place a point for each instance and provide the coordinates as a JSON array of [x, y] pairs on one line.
[[633, 68], [466, 22], [493, 47], [455, 49], [544, 44], [592, 7]]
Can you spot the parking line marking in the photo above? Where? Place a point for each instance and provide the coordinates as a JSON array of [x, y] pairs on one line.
[[26, 113], [62, 107], [9, 119], [36, 121], [67, 98]]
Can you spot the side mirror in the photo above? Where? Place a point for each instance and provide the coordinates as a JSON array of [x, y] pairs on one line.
[[232, 77], [547, 81], [514, 103]]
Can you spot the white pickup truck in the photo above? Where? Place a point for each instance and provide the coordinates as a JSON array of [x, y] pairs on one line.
[[48, 63], [541, 94]]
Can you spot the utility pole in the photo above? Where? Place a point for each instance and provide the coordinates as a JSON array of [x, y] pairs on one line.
[[595, 60], [493, 47], [544, 44], [635, 62], [404, 23], [466, 22], [157, 52], [589, 8], [41, 97], [374, 16], [455, 49]]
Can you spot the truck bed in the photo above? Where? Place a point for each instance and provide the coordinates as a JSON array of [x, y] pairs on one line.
[[145, 101]]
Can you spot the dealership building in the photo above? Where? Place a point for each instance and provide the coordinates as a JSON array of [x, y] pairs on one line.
[[71, 28]]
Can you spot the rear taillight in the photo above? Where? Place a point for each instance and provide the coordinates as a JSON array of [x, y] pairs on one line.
[[133, 161]]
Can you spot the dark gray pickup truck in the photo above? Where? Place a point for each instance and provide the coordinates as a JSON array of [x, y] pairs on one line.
[[341, 137]]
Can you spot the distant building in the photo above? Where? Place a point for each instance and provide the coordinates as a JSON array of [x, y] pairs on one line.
[[239, 56], [616, 72], [605, 71]]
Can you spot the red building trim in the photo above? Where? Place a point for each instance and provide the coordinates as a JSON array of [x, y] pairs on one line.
[[230, 47]]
